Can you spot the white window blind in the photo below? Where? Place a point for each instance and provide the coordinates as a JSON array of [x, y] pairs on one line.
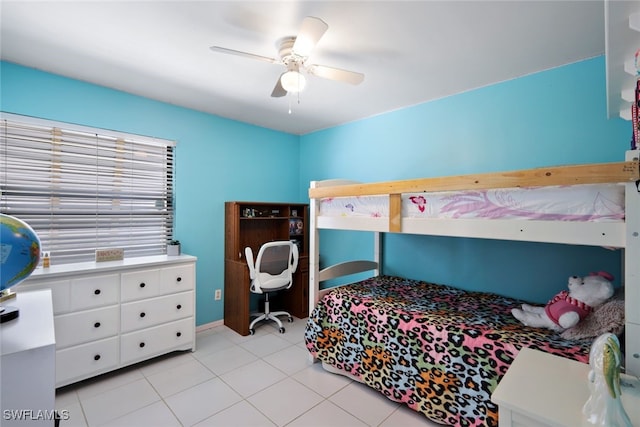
[[84, 189]]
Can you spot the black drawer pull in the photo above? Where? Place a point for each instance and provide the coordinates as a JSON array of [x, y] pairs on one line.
[[142, 314], [179, 279], [179, 334], [96, 357], [97, 292], [141, 344], [96, 325], [142, 285], [179, 306]]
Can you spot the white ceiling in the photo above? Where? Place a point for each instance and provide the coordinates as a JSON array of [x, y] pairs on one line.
[[410, 51]]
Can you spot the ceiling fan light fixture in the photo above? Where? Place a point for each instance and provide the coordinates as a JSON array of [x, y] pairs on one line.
[[293, 81]]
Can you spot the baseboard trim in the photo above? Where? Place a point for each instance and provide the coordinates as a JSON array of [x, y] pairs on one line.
[[210, 325]]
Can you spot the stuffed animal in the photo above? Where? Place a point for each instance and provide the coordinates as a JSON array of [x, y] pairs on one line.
[[568, 308]]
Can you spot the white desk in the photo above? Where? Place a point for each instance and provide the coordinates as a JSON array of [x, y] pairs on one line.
[[541, 389], [27, 363]]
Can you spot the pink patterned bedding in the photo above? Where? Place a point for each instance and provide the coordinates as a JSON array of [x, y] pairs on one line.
[[592, 202], [439, 350]]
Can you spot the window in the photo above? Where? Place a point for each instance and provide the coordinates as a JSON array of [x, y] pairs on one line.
[[83, 189]]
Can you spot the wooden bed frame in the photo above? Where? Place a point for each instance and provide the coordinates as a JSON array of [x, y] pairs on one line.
[[621, 234]]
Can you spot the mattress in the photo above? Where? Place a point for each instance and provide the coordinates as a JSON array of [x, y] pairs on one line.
[[589, 202], [438, 349]]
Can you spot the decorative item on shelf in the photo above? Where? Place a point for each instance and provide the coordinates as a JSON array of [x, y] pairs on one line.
[[46, 260], [109, 254], [294, 212], [173, 248], [604, 406], [296, 226], [19, 256]]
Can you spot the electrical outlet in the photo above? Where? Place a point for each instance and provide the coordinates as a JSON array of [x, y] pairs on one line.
[[218, 294]]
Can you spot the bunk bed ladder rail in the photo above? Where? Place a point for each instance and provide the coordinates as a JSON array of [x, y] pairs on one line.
[[631, 268]]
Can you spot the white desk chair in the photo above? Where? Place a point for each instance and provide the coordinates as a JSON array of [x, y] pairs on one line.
[[273, 271]]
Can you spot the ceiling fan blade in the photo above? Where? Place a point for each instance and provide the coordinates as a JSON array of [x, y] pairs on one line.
[[311, 30], [278, 90], [336, 74], [245, 54]]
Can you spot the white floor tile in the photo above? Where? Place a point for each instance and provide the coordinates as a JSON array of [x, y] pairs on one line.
[[156, 415], [295, 331], [104, 407], [405, 417], [253, 377], [227, 360], [212, 340], [326, 414], [66, 396], [201, 401], [241, 414], [265, 345], [108, 381], [165, 363], [285, 401], [73, 417], [322, 382], [180, 378], [289, 360], [262, 380], [364, 403]]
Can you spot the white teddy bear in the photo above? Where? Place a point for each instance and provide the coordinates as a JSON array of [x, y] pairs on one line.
[[566, 309]]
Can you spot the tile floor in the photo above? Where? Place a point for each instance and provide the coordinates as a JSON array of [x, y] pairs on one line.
[[260, 380]]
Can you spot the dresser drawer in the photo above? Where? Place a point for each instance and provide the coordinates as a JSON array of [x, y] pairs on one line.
[[158, 340], [86, 360], [177, 279], [84, 326], [154, 311], [60, 292], [95, 291], [137, 285]]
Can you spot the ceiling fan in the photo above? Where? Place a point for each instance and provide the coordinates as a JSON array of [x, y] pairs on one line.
[[294, 53]]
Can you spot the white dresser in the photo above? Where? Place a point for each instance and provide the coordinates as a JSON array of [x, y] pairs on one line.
[[111, 314], [27, 362]]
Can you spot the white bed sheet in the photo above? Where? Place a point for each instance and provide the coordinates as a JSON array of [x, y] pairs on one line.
[[592, 202]]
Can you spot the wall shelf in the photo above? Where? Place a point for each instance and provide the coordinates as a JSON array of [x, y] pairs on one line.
[[622, 40]]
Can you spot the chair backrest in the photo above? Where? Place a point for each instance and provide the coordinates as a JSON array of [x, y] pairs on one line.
[[274, 266]]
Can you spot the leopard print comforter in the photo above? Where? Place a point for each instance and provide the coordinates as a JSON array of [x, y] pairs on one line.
[[438, 349]]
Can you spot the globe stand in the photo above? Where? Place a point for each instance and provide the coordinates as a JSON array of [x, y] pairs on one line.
[[7, 294], [8, 313]]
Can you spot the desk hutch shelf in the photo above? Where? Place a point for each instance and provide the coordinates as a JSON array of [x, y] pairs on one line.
[[252, 224]]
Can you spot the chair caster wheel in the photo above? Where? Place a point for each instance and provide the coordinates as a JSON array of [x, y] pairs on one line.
[[252, 331], [281, 330], [290, 319]]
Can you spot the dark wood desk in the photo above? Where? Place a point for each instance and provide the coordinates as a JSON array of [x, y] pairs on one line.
[[237, 295]]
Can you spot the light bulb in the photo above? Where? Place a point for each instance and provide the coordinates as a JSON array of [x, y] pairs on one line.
[[293, 81]]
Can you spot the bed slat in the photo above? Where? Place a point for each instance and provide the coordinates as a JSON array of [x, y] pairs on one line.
[[558, 175]]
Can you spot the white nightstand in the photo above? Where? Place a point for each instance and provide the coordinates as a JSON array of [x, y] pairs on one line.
[[28, 362], [541, 389]]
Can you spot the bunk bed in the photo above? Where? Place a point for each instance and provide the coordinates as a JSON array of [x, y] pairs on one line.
[[440, 350]]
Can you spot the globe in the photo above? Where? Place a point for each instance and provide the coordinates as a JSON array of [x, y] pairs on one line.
[[19, 251]]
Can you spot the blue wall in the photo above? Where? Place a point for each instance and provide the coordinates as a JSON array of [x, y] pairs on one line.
[[216, 159], [554, 117], [550, 118]]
